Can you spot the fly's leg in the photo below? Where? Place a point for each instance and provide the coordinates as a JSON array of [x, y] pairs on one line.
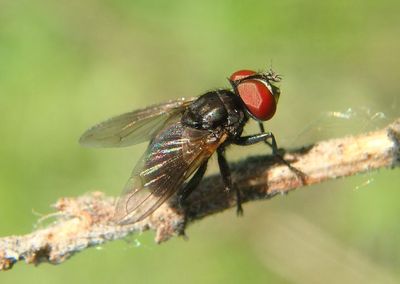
[[227, 179], [263, 137], [273, 145], [192, 184]]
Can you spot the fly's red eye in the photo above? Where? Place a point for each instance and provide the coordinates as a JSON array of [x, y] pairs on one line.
[[241, 74], [258, 98]]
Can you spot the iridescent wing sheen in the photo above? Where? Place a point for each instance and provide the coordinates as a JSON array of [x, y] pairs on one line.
[[133, 127], [172, 156]]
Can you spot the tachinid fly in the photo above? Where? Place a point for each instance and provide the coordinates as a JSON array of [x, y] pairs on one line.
[[183, 135]]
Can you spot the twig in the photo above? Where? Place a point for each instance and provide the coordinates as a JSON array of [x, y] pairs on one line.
[[85, 221]]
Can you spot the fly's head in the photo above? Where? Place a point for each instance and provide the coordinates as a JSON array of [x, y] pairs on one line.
[[258, 92]]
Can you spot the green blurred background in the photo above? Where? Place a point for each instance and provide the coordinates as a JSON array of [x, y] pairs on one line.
[[65, 65]]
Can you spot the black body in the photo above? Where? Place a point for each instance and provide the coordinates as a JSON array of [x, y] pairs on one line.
[[218, 111]]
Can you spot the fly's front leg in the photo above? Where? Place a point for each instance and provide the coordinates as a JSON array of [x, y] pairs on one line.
[[192, 184], [263, 137], [227, 179], [273, 145]]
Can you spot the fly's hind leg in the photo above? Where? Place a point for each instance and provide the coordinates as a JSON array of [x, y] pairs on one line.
[[192, 184], [227, 179]]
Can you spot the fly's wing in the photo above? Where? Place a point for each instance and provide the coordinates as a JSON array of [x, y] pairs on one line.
[[172, 156], [133, 127]]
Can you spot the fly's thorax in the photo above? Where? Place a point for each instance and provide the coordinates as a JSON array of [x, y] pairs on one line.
[[215, 110], [236, 116], [207, 112]]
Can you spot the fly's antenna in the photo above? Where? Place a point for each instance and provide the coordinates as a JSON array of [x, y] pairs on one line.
[[272, 76]]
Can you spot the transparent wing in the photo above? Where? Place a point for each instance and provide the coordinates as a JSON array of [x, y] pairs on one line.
[[132, 127], [172, 156]]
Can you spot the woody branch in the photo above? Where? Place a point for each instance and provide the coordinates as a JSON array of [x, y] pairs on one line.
[[86, 221]]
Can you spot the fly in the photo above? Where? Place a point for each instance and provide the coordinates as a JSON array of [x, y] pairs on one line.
[[183, 135]]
